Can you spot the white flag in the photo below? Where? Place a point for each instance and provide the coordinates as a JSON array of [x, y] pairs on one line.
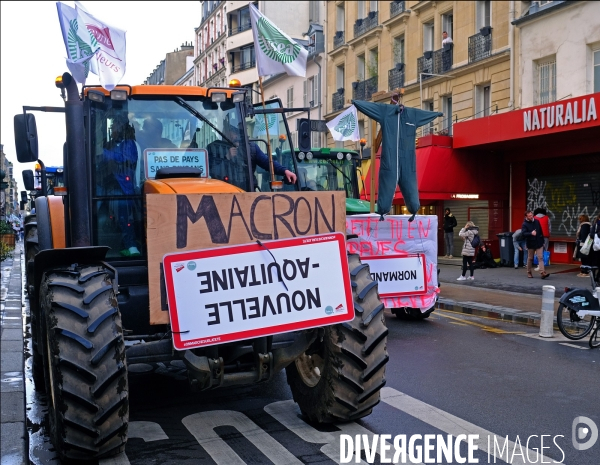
[[275, 51], [92, 45], [345, 126], [80, 43]]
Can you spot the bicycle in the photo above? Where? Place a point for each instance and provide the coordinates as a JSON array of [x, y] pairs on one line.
[[579, 310]]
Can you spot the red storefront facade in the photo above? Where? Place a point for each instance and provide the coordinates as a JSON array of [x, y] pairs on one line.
[[496, 167]]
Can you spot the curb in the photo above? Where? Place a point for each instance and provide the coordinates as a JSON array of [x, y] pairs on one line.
[[490, 311]]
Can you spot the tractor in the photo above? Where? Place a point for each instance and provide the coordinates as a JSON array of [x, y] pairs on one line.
[[96, 284]]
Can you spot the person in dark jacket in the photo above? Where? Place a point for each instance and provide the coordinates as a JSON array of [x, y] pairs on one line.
[[583, 231], [533, 234], [485, 258], [449, 225], [595, 254]]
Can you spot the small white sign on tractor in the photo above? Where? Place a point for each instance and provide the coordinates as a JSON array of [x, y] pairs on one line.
[[258, 289]]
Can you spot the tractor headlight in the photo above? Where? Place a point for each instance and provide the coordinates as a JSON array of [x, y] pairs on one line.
[[301, 156], [340, 156], [309, 156]]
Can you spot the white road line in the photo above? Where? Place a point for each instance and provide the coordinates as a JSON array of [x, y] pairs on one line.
[[202, 426], [453, 425], [573, 345], [147, 430], [286, 412]]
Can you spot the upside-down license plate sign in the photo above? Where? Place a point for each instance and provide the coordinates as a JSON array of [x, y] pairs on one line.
[[246, 291]]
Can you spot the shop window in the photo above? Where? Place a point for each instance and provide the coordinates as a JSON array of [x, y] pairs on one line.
[[545, 81]]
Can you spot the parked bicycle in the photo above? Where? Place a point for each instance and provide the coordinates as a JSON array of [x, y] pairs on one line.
[[579, 311]]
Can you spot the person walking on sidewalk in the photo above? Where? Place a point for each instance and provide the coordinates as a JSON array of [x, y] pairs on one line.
[[542, 217], [520, 245], [583, 231], [468, 251], [449, 225], [534, 236], [595, 254]]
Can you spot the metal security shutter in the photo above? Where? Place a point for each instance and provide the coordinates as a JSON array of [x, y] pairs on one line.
[[461, 210]]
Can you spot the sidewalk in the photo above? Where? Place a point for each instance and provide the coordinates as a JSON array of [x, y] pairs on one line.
[[503, 293], [12, 386]]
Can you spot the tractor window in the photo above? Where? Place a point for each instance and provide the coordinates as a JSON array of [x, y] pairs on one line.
[[280, 144], [123, 133], [326, 174]]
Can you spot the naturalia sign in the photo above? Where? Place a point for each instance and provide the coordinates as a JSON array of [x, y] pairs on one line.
[[560, 114]]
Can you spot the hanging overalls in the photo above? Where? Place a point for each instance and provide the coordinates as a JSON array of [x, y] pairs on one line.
[[398, 165]]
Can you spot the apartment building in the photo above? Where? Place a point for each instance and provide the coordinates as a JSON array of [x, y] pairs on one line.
[[210, 61], [291, 17], [170, 70]]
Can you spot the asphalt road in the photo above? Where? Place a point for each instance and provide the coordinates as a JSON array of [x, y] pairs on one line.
[[450, 374]]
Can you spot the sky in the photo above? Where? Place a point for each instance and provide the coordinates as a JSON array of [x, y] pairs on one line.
[[32, 55]]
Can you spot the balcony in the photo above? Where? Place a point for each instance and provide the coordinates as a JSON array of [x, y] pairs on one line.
[[243, 66], [363, 90], [396, 77], [396, 8], [361, 26], [480, 45], [236, 30], [437, 62], [337, 100], [338, 39]]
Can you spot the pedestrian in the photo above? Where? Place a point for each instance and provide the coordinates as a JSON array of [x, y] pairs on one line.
[[446, 39], [542, 217], [534, 236], [520, 245], [583, 231], [468, 251], [485, 259], [449, 225], [595, 254]]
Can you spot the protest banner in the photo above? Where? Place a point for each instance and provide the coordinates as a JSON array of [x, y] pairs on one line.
[[383, 244], [190, 222], [253, 290]]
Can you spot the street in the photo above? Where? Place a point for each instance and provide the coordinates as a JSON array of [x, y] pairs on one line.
[[450, 374]]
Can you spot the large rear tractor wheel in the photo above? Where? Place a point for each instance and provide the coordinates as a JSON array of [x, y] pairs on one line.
[[339, 378], [31, 248], [86, 373]]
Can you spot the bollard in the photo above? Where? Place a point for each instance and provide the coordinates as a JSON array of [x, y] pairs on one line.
[[547, 320]]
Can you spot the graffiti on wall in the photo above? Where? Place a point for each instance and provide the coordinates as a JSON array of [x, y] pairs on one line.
[[564, 200]]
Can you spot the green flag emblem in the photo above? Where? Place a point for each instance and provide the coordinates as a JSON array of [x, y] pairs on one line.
[[274, 44], [346, 125]]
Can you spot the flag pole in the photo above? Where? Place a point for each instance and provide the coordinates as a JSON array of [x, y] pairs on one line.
[[373, 139], [274, 184]]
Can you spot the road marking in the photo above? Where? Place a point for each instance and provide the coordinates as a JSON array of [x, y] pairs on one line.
[[451, 424], [286, 412], [147, 430], [568, 344], [489, 329], [202, 426]]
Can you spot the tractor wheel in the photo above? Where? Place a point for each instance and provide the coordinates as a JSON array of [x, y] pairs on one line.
[[86, 372], [31, 249], [339, 378]]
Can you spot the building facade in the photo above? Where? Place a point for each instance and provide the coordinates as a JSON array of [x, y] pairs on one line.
[[210, 61], [9, 199], [172, 67]]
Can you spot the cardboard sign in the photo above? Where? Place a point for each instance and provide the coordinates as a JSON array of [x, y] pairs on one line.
[[396, 236], [398, 275], [247, 291], [155, 159], [186, 222]]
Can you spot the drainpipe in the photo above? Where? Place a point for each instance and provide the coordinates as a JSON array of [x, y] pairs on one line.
[[511, 45], [320, 92], [510, 196]]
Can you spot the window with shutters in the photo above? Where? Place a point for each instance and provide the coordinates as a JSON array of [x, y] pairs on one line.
[[290, 97], [316, 97], [305, 94]]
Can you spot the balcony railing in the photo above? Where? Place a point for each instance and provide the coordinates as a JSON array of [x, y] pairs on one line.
[[395, 79], [396, 8], [363, 90], [243, 66], [337, 101], [338, 39], [480, 46], [236, 30], [366, 24], [437, 62]]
